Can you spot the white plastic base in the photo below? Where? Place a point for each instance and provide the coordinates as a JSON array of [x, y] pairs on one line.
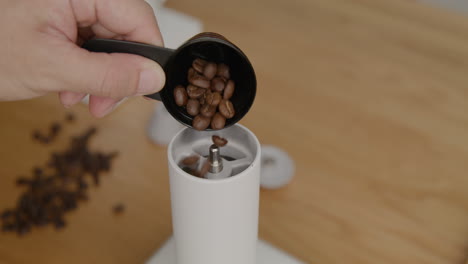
[[266, 254]]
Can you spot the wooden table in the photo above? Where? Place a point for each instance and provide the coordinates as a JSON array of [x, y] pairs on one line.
[[370, 97]]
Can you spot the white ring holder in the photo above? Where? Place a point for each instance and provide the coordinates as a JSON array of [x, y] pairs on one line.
[[277, 168]]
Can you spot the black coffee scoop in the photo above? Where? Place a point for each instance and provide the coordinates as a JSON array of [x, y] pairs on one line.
[[176, 63]]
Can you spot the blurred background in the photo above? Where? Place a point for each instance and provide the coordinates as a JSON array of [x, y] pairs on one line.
[[458, 5], [367, 97]]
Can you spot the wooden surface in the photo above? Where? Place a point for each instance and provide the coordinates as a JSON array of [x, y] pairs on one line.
[[370, 97]]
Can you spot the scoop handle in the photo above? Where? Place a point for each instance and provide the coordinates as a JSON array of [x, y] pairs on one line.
[[160, 55]]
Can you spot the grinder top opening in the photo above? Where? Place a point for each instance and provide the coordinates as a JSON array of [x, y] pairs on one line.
[[238, 156]]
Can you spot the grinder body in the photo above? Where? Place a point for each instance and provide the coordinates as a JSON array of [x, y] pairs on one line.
[[216, 220]]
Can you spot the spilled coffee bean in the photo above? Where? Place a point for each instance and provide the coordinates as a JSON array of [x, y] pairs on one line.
[[53, 132], [52, 191], [55, 129], [70, 117], [118, 209]]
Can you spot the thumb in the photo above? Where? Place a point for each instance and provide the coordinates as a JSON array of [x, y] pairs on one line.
[[115, 75]]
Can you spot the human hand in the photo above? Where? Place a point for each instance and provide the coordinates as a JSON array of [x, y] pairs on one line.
[[40, 51]]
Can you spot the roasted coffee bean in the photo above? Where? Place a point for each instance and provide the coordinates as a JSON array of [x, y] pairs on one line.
[[210, 85], [7, 214], [201, 122], [223, 70], [103, 161], [118, 208], [193, 107], [46, 140], [202, 99], [195, 92], [70, 202], [210, 70], [190, 160], [218, 84], [82, 185], [82, 196], [23, 229], [218, 121], [55, 129], [113, 155], [8, 227], [226, 108], [208, 110], [229, 90], [59, 223], [180, 95], [37, 135], [49, 196], [23, 181], [83, 140], [42, 220], [204, 169], [70, 117], [199, 65], [189, 170], [41, 138], [200, 81], [191, 72], [219, 141], [213, 98], [96, 179], [37, 171]]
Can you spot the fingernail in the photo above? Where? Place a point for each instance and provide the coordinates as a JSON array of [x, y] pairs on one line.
[[69, 99], [151, 80], [107, 110]]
